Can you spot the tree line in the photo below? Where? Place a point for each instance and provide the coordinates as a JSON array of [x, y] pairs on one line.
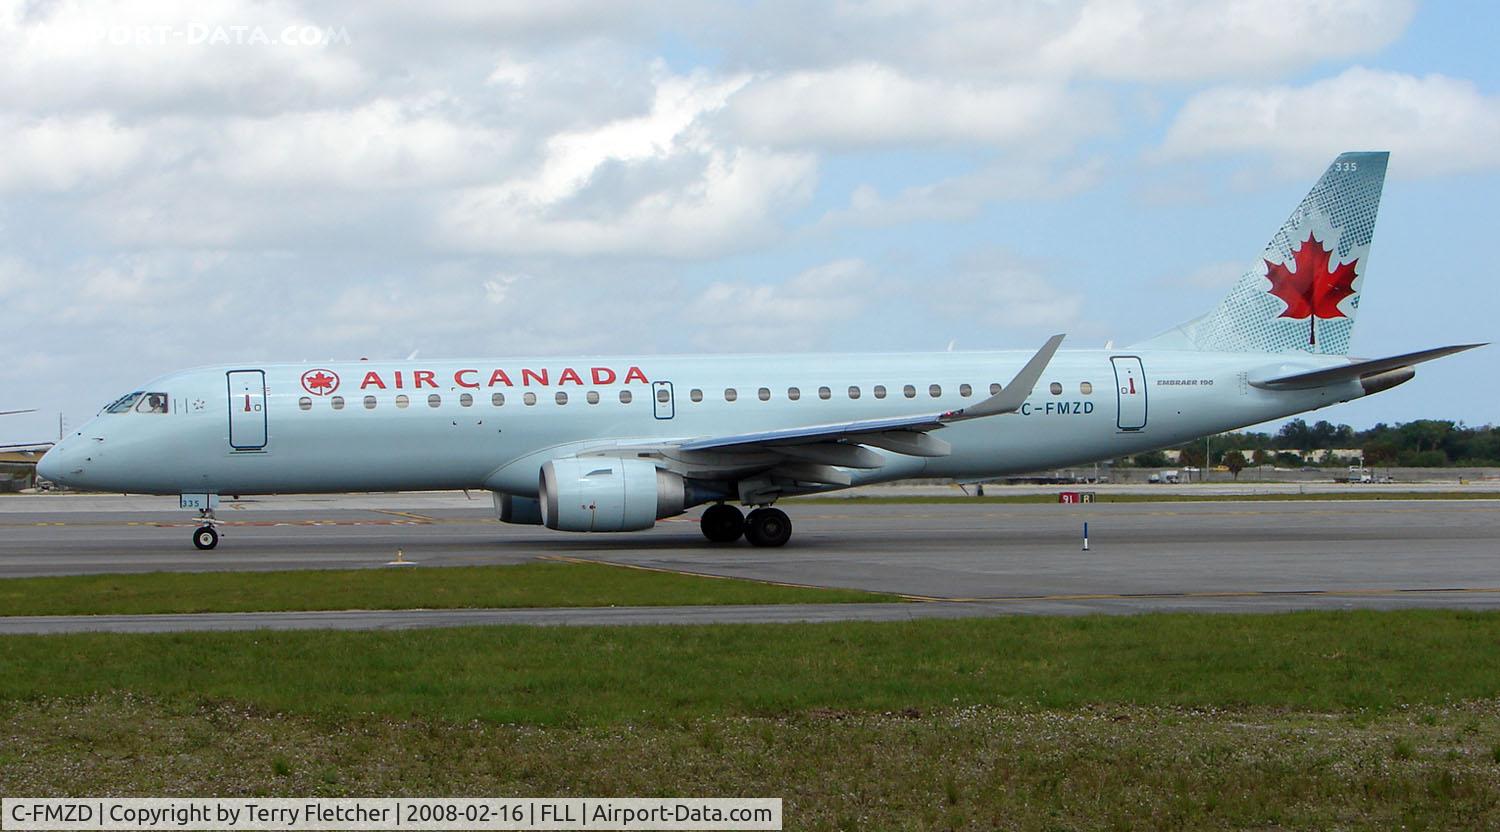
[[1424, 443]]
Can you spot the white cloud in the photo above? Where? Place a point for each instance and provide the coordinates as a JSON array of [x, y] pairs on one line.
[[1431, 124], [868, 104], [1000, 290], [1129, 40], [59, 153], [653, 184], [965, 195], [382, 144], [775, 317], [163, 55]]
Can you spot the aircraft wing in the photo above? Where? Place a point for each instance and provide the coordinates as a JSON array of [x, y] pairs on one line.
[[887, 433], [34, 446], [14, 412], [802, 459]]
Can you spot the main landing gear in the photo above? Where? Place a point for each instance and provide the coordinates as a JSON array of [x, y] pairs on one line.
[[724, 523], [206, 536]]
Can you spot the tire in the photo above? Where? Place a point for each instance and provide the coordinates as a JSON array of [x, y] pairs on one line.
[[768, 527], [722, 523], [205, 537]]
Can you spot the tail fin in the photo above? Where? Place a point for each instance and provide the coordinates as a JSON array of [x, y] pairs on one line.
[[1303, 292]]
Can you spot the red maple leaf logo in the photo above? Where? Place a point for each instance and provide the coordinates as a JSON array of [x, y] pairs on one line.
[[320, 382], [1312, 291]]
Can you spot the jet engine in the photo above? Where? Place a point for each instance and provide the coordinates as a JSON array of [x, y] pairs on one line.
[[513, 509], [603, 494]]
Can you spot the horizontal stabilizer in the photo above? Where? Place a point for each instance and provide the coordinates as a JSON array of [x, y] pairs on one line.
[[1355, 370]]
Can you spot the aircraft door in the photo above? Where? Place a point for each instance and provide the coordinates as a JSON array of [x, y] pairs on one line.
[[247, 410], [661, 394], [1130, 392]]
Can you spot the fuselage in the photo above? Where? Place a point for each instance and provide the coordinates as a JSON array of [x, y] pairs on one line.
[[378, 426]]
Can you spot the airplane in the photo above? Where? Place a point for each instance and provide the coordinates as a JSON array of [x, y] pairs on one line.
[[615, 444], [23, 446]]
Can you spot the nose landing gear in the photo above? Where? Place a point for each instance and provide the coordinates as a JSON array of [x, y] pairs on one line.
[[206, 536]]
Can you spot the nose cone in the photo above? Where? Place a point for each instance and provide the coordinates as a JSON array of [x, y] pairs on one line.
[[57, 462], [52, 466]]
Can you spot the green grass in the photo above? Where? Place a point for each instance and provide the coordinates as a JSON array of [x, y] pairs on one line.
[[968, 768], [578, 676], [1296, 721], [1170, 494], [542, 584]]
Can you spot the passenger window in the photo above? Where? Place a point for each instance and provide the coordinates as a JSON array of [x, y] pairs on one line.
[[465, 400], [793, 393], [764, 394], [934, 390], [994, 388], [434, 400], [909, 391], [305, 403], [402, 400], [593, 397], [625, 397], [1056, 388], [824, 393], [730, 394], [561, 397], [880, 391], [369, 402], [696, 395], [1086, 388], [965, 390], [152, 403], [529, 399], [853, 392], [498, 399], [663, 396], [337, 402]]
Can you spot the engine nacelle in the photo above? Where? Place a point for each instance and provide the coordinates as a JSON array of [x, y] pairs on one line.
[[513, 509], [604, 494]]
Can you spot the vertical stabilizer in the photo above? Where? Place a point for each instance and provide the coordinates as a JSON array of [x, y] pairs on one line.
[[1303, 292]]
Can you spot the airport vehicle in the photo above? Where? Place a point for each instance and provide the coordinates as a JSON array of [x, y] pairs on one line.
[[615, 444]]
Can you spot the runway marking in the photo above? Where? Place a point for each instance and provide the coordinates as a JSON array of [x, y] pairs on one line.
[[408, 514]]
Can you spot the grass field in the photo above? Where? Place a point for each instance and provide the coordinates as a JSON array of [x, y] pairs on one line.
[[1167, 495], [1304, 720], [524, 585]]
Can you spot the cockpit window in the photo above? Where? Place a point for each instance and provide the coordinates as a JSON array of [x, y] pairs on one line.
[[124, 403], [152, 403]]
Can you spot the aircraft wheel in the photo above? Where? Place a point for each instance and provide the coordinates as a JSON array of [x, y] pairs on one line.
[[206, 537], [722, 523], [768, 527]]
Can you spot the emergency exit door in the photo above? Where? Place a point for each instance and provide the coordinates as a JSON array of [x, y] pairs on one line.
[[661, 392], [1130, 392], [247, 410]]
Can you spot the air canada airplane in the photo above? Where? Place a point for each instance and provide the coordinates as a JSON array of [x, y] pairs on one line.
[[615, 444]]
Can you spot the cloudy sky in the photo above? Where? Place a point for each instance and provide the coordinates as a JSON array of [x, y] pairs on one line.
[[186, 182]]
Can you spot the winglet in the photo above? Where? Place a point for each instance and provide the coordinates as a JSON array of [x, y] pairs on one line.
[[1010, 399]]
